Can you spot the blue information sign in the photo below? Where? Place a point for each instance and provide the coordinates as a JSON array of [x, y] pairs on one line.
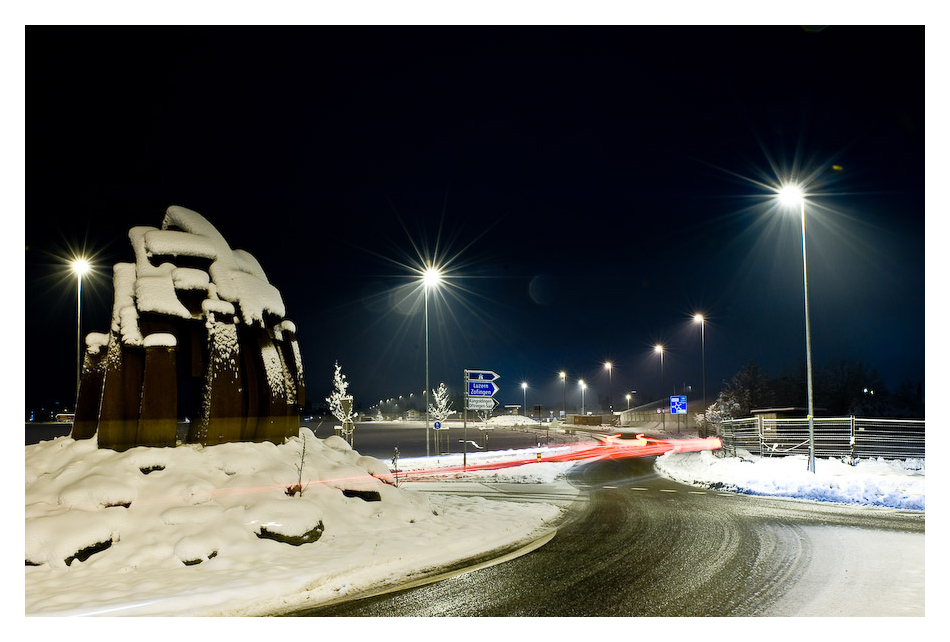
[[482, 388], [678, 405]]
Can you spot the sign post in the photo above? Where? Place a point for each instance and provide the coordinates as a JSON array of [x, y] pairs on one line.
[[480, 389], [678, 407]]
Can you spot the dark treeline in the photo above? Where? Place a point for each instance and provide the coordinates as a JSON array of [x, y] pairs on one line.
[[841, 389]]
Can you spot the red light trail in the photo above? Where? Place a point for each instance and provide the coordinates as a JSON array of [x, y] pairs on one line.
[[612, 448]]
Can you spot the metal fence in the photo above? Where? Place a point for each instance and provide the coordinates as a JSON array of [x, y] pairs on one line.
[[848, 438]]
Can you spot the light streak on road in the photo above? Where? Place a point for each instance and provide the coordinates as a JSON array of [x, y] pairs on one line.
[[612, 448]]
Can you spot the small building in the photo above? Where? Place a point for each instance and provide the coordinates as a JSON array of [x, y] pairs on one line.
[[780, 413], [791, 412]]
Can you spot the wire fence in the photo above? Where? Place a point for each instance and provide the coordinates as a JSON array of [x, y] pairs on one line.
[[847, 438]]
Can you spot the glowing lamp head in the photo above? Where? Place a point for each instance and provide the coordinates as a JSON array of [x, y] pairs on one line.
[[658, 349], [582, 384], [524, 386], [608, 365], [791, 195], [81, 266], [431, 277], [563, 375], [699, 318]]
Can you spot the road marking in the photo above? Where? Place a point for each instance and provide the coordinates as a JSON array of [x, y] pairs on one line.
[[638, 488], [668, 490], [697, 492]]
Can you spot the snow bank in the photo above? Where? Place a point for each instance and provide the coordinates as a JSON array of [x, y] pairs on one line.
[[512, 420], [191, 530], [877, 482]]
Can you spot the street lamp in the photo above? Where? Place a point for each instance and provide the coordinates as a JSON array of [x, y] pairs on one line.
[[610, 378], [80, 266], [702, 323], [792, 195], [430, 279], [628, 402], [564, 391], [659, 350], [524, 391], [583, 388]]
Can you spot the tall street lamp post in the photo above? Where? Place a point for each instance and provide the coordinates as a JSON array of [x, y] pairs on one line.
[[610, 379], [702, 323], [792, 195], [583, 389], [80, 266], [659, 350], [430, 279], [524, 393], [564, 391]]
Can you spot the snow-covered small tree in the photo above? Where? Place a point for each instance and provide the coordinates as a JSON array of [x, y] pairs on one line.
[[441, 407], [439, 410], [340, 385]]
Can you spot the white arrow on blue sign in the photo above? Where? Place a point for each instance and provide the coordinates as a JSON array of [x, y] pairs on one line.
[[481, 375], [482, 388]]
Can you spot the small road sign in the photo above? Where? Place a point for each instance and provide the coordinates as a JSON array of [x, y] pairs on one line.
[[480, 403], [437, 425], [481, 375], [678, 405]]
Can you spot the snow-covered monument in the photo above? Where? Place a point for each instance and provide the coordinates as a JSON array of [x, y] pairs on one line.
[[197, 331]]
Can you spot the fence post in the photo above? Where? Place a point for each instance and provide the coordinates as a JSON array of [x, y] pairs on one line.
[[854, 437], [758, 426]]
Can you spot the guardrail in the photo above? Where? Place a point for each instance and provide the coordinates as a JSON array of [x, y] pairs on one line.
[[847, 438]]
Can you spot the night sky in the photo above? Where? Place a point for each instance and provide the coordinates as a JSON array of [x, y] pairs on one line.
[[590, 189]]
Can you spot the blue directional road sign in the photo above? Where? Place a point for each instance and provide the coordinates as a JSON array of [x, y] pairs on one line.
[[481, 375], [482, 388], [678, 405]]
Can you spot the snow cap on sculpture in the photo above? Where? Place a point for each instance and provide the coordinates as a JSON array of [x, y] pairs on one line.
[[234, 276]]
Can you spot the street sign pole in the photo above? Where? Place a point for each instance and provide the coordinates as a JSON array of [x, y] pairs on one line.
[[464, 421], [479, 390]]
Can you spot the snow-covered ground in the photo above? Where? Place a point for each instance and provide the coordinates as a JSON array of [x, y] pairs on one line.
[[182, 524], [182, 527]]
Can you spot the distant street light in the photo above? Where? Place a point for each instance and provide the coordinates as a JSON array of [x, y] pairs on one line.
[[702, 323], [610, 378], [583, 388], [564, 391], [792, 195], [628, 402], [81, 267], [430, 279]]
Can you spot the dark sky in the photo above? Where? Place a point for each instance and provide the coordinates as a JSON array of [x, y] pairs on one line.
[[593, 188]]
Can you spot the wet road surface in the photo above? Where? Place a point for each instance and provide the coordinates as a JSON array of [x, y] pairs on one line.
[[641, 545]]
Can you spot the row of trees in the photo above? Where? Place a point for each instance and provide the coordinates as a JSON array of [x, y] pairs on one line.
[[439, 410], [842, 389]]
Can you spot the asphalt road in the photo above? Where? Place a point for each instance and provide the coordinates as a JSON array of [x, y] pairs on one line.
[[379, 439], [642, 545]]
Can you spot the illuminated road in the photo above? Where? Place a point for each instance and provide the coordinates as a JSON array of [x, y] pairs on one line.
[[644, 546]]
